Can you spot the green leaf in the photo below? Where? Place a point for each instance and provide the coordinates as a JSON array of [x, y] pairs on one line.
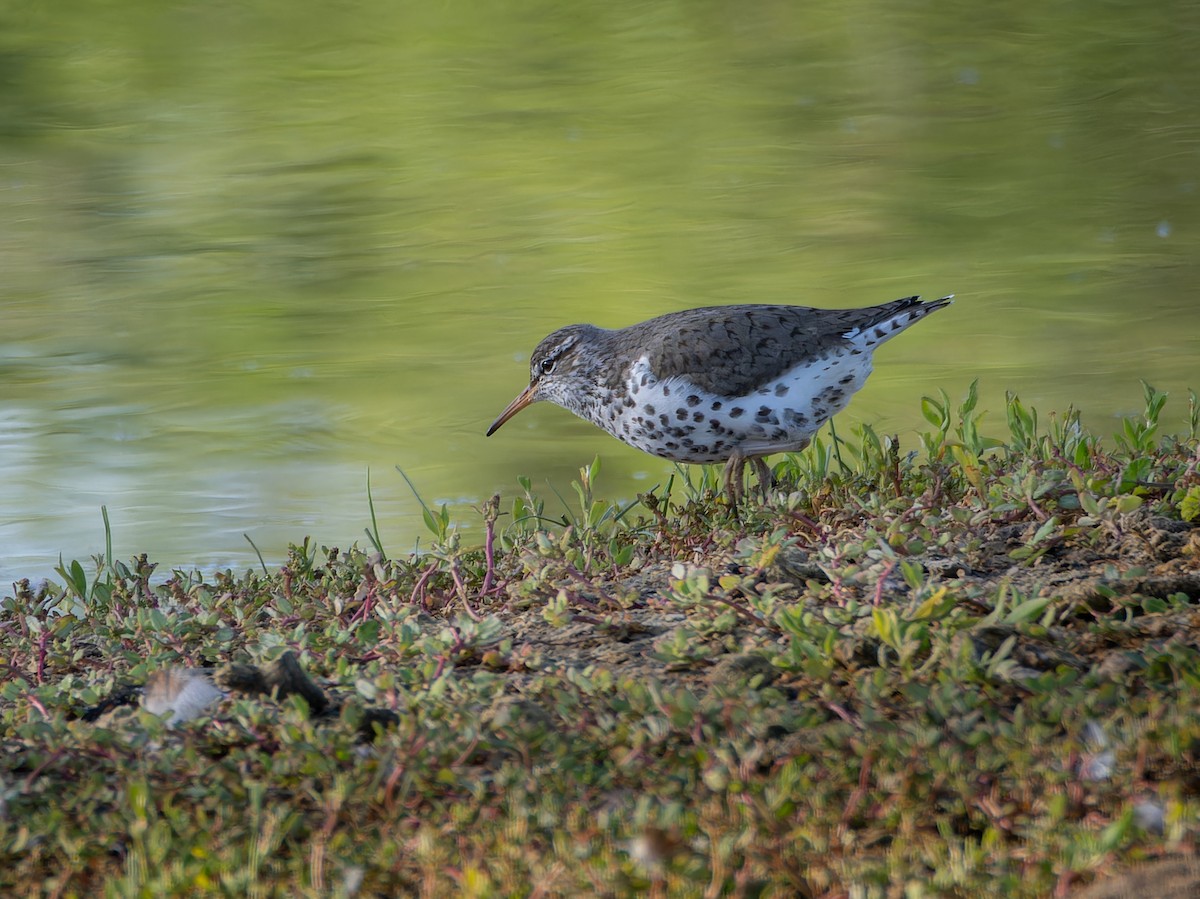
[[1135, 473], [368, 632], [936, 606], [971, 400], [431, 523], [1189, 506], [1044, 531], [1029, 610], [934, 413], [969, 462], [1003, 651], [887, 626], [596, 513], [1128, 503], [1114, 835], [78, 578], [913, 572], [623, 556]]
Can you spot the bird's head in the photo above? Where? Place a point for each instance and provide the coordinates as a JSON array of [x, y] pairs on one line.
[[561, 370]]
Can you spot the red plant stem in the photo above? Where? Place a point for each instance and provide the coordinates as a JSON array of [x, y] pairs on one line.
[[579, 577], [419, 586], [36, 703], [36, 772], [365, 609], [742, 610], [462, 591], [43, 637], [860, 791], [879, 584], [489, 554]]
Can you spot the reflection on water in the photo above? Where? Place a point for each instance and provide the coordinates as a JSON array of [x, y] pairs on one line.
[[245, 265]]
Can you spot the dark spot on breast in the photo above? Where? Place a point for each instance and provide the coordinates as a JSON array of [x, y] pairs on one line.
[[681, 414], [697, 417], [847, 379], [663, 419], [693, 400], [716, 406], [781, 389], [736, 412], [649, 410], [671, 444], [666, 390], [879, 332]]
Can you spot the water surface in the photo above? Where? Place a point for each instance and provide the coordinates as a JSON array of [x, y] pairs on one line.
[[250, 254]]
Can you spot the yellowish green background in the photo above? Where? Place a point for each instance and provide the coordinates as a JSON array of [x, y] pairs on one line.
[[249, 252]]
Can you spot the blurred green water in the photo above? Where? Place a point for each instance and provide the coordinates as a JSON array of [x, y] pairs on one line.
[[249, 252]]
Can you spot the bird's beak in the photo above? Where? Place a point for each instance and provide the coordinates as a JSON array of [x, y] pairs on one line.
[[527, 396]]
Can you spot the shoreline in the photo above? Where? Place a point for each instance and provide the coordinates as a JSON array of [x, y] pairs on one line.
[[971, 671]]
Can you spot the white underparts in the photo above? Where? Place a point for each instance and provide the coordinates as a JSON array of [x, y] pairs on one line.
[[674, 419]]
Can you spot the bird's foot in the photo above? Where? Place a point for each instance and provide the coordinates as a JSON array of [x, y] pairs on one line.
[[766, 480], [734, 472]]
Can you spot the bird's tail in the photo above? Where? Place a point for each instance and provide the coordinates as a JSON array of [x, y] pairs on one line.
[[884, 322]]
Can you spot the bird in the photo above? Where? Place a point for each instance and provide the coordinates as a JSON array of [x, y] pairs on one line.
[[730, 384]]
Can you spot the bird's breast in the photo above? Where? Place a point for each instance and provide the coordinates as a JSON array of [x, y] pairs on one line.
[[674, 419]]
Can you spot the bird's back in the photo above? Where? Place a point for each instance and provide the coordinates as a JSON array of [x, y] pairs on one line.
[[730, 350]]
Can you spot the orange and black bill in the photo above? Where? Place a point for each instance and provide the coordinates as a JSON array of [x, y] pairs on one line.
[[526, 397]]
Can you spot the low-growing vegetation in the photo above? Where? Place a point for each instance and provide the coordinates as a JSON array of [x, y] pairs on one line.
[[971, 669]]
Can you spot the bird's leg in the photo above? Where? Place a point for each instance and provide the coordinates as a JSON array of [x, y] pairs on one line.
[[766, 480], [734, 470]]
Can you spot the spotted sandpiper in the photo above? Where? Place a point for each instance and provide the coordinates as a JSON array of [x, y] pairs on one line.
[[721, 383]]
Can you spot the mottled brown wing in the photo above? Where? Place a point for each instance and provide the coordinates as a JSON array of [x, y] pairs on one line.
[[730, 350]]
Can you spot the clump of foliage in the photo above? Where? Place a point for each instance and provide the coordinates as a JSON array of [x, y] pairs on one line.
[[969, 670]]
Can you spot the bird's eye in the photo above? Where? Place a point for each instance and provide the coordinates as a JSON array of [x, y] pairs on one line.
[[547, 365]]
